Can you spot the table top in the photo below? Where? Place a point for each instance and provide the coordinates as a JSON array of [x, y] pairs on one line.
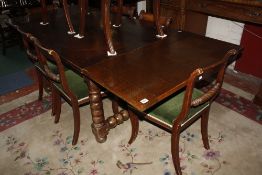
[[148, 75], [146, 69], [80, 53]]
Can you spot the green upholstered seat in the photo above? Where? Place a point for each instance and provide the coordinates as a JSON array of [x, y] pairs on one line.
[[76, 84], [169, 110], [52, 66]]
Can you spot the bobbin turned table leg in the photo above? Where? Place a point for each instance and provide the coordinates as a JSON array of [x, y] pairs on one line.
[[99, 126]]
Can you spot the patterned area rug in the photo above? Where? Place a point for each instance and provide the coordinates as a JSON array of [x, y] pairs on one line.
[[48, 150], [24, 112], [38, 147], [33, 109]]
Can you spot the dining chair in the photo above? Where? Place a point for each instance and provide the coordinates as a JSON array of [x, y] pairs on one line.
[[184, 108], [8, 36], [66, 84], [31, 54]]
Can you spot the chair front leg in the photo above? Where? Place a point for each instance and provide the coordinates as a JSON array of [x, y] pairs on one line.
[[135, 126], [40, 84], [204, 128], [68, 19], [175, 148], [53, 96], [57, 105], [76, 114], [115, 106]]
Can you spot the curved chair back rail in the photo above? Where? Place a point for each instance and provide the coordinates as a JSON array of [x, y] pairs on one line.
[[31, 54], [199, 74], [44, 55], [8, 35], [28, 44]]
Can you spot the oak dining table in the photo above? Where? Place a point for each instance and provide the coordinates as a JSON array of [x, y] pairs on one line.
[[146, 76], [146, 70]]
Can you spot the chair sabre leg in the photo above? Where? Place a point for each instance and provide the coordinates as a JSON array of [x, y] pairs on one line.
[[175, 149], [53, 93], [204, 128], [135, 126], [76, 114], [40, 85], [115, 106], [57, 107]]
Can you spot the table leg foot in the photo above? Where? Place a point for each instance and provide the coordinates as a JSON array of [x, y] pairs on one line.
[[79, 36], [100, 132], [116, 26], [71, 32], [44, 23], [161, 36], [99, 126], [111, 54]]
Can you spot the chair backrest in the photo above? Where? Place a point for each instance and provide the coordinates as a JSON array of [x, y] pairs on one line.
[[9, 4], [28, 44], [14, 7], [201, 74], [58, 77]]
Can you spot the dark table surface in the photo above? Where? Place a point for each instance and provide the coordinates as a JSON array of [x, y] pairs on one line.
[[80, 53], [145, 68], [156, 71]]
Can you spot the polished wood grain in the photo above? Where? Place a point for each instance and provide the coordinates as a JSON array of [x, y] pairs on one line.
[[90, 50], [156, 71], [146, 68], [78, 54]]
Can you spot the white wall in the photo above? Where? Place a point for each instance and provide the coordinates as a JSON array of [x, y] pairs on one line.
[[217, 28], [141, 5], [225, 30]]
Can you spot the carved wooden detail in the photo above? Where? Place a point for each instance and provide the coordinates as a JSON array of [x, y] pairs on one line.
[[100, 126], [117, 119]]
